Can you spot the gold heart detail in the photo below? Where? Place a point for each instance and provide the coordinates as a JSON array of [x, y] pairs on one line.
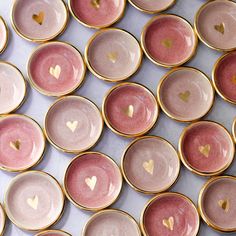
[[15, 145], [91, 182], [55, 71], [234, 79], [95, 3], [149, 166], [205, 150], [39, 18], [220, 28], [72, 125], [167, 43], [33, 202], [169, 223], [224, 204], [129, 111], [185, 96], [112, 56]]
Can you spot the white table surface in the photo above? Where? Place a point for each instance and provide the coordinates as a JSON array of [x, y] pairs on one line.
[[56, 162]]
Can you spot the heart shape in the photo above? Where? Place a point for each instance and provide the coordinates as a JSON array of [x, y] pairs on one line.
[[220, 28], [38, 17], [149, 166], [72, 125], [224, 204], [169, 223], [91, 182], [234, 79], [205, 150], [185, 96], [15, 145], [167, 43], [33, 202], [55, 71], [129, 111], [95, 3]]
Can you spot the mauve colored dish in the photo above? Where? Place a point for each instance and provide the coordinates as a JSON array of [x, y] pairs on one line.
[[22, 143], [3, 35], [73, 124], [39, 20], [97, 13], [56, 69], [34, 200], [234, 130], [170, 214], [13, 88], [92, 181], [113, 54], [53, 232], [206, 148], [2, 220], [150, 164], [217, 203], [185, 94], [224, 77], [215, 24], [130, 109], [111, 222], [169, 40]]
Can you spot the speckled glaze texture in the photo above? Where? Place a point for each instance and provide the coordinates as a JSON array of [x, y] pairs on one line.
[[185, 217], [213, 15], [148, 152], [52, 56], [3, 35], [106, 187], [12, 87], [32, 143], [2, 220], [34, 200]]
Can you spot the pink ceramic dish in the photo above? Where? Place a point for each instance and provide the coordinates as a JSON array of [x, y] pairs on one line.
[[56, 69], [3, 35], [53, 233], [2, 220]]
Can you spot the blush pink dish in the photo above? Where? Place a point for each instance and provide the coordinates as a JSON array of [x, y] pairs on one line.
[[3, 35], [56, 69], [22, 143], [94, 13], [224, 77], [93, 181], [168, 40], [174, 208], [206, 148], [2, 220], [130, 109], [53, 233]]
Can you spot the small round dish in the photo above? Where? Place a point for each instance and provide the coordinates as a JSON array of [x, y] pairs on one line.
[[53, 232], [22, 143], [2, 220], [34, 200], [224, 77], [73, 124], [39, 20], [113, 54], [150, 165], [234, 130], [185, 94], [215, 24], [56, 69], [12, 86], [130, 109], [108, 222], [98, 181], [170, 214], [217, 205], [152, 6], [4, 35], [169, 40], [206, 148], [94, 13]]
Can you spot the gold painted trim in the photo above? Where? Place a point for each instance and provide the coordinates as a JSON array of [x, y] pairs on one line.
[[7, 35], [96, 73], [4, 220], [52, 231], [70, 198], [234, 130]]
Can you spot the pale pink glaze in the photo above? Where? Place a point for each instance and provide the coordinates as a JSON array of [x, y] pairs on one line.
[[111, 222], [108, 181], [165, 161], [144, 104], [176, 31], [101, 15], [2, 220], [204, 133], [185, 216], [225, 76], [216, 13], [125, 48], [12, 88], [32, 143], [220, 189], [54, 21], [3, 35], [52, 55], [30, 185], [186, 81], [53, 233]]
